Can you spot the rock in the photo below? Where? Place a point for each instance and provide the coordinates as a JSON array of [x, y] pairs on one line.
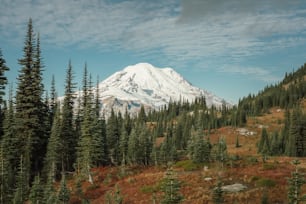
[[208, 179], [234, 188]]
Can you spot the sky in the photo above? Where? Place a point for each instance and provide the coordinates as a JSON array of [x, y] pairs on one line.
[[230, 48]]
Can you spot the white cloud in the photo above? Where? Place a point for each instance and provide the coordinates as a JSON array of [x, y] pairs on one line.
[[252, 72], [191, 31]]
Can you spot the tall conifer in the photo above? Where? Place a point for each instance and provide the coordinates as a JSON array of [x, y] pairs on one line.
[[68, 137], [29, 107]]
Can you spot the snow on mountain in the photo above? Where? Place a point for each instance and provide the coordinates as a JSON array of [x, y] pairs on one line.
[[144, 84]]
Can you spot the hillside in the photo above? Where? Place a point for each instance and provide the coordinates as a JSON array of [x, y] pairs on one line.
[[139, 184], [263, 176], [285, 94]]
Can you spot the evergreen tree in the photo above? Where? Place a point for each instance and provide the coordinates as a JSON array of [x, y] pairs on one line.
[[221, 150], [29, 108], [113, 138], [53, 100], [63, 194], [199, 148], [264, 144], [36, 193], [264, 198], [10, 140], [52, 160], [123, 145], [6, 181], [218, 193], [171, 187], [84, 148], [275, 144], [237, 145], [133, 146], [49, 194], [3, 83], [294, 135], [3, 78], [99, 145], [296, 181], [22, 186], [145, 145], [68, 137], [114, 197]]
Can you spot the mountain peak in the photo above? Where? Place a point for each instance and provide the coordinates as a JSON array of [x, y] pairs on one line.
[[143, 84]]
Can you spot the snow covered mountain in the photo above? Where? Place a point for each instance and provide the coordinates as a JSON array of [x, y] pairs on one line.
[[144, 84]]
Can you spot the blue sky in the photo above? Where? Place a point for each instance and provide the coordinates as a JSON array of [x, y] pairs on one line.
[[231, 48]]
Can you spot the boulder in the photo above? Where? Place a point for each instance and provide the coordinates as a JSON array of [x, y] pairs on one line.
[[234, 188]]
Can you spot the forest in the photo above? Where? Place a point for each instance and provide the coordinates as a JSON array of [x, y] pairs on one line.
[[44, 142]]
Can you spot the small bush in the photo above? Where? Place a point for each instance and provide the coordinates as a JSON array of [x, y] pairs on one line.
[[252, 160], [151, 189], [266, 182], [269, 166], [255, 178], [187, 165], [107, 179]]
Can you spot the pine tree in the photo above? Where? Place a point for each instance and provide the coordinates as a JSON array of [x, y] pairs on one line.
[[237, 145], [218, 193], [3, 83], [221, 150], [264, 144], [199, 148], [68, 138], [171, 187], [275, 144], [114, 197], [123, 145], [29, 107], [9, 140], [296, 181], [113, 138], [36, 193], [6, 180], [133, 147], [22, 186], [295, 138], [3, 78], [117, 195], [63, 194], [85, 148], [52, 160], [41, 111], [53, 100], [99, 144], [145, 145], [265, 198], [49, 194]]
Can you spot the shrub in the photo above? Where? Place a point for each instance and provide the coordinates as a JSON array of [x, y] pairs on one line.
[[266, 182], [252, 160], [269, 166], [151, 189], [187, 165]]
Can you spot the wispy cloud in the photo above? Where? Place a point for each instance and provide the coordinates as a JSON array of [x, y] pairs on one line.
[[252, 72], [191, 30]]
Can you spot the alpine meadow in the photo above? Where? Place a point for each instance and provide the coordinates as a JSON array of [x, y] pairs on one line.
[[146, 135]]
